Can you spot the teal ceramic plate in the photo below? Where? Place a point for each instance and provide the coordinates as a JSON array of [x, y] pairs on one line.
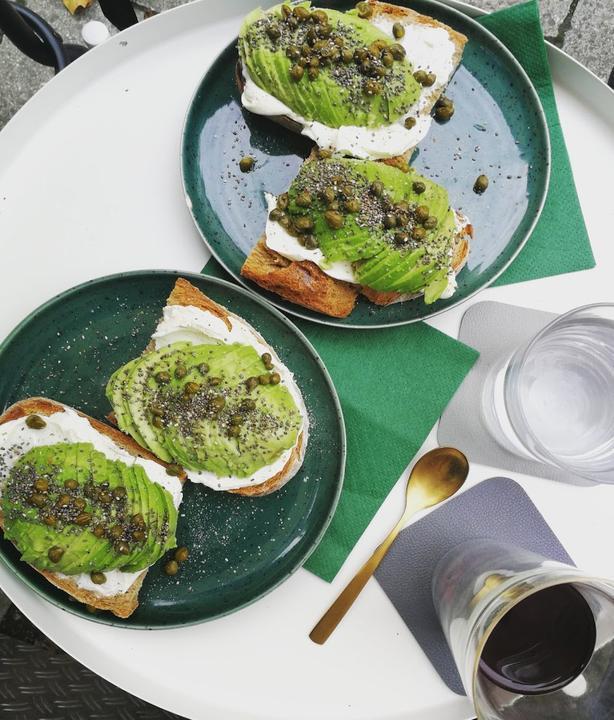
[[498, 129], [241, 548]]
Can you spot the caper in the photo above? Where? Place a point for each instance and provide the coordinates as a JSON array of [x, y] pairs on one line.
[[157, 421], [390, 221], [430, 79], [215, 381], [365, 67], [400, 238], [181, 371], [119, 492], [387, 59], [83, 518], [172, 567], [266, 357], [123, 548], [334, 219], [50, 520], [339, 41], [324, 153], [71, 484], [303, 62], [377, 188], [334, 54], [319, 16], [397, 51], [418, 233], [306, 50], [282, 201], [480, 184], [364, 10], [420, 76], [116, 532], [63, 500], [347, 190], [293, 52], [98, 578], [353, 205], [303, 199], [234, 431], [251, 383], [297, 72], [191, 388], [409, 123], [55, 553], [247, 405], [398, 30], [41, 484], [303, 224], [311, 243], [422, 213], [35, 422], [138, 520], [79, 503], [246, 163], [236, 420], [203, 368], [98, 531], [37, 499], [347, 56], [275, 378], [324, 30], [418, 187], [138, 536], [444, 112], [300, 239], [163, 377], [264, 379], [181, 554], [174, 470], [286, 11], [311, 37], [430, 223], [273, 32], [156, 410], [328, 195], [104, 498], [312, 73], [218, 402], [300, 12], [401, 207]]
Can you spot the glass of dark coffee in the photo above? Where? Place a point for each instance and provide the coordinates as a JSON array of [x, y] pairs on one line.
[[533, 639]]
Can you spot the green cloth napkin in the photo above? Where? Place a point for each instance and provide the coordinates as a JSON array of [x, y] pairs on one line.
[[559, 244], [393, 385]]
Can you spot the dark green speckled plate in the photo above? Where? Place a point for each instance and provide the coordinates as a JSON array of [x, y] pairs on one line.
[[498, 129], [241, 548]]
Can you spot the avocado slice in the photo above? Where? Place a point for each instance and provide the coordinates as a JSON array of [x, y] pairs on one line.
[[80, 498]]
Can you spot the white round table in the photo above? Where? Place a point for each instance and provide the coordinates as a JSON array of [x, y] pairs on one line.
[[90, 185]]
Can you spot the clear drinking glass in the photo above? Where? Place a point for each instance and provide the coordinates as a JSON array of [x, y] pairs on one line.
[[543, 627], [553, 399]]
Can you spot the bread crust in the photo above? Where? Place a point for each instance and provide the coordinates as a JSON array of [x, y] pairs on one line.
[[400, 14], [184, 293], [124, 604]]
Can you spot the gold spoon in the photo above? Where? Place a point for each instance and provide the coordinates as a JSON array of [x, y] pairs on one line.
[[434, 478]]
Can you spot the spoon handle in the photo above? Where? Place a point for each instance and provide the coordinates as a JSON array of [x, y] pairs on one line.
[[336, 612]]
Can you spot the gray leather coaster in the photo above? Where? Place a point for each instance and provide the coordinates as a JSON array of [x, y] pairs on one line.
[[497, 508], [495, 330]]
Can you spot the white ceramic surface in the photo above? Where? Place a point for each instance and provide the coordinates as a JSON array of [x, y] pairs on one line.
[[90, 185]]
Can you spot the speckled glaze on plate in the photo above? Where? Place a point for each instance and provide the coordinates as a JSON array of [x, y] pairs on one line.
[[498, 129], [241, 548]]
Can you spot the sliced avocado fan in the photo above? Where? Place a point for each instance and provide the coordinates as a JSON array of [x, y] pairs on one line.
[[69, 509], [211, 407], [396, 228], [333, 67]]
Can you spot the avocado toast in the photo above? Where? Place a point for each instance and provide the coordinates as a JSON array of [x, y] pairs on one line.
[[361, 83], [210, 396], [350, 226], [84, 504]]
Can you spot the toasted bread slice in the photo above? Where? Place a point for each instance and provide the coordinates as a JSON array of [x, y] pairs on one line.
[[429, 96], [185, 294], [304, 283], [124, 604]]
